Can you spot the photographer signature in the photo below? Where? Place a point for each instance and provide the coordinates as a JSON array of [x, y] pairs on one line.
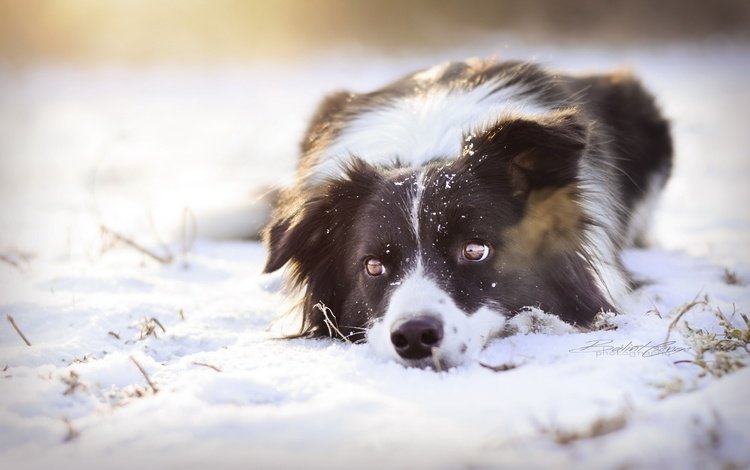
[[605, 347]]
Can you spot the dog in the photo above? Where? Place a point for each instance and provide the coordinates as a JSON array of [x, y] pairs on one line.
[[428, 213]]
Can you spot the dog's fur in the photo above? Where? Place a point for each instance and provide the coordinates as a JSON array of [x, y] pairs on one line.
[[554, 174]]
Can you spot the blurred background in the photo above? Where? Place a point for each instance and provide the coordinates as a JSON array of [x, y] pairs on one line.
[[128, 113], [137, 31]]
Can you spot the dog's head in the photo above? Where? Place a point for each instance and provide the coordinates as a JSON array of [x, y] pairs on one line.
[[427, 264]]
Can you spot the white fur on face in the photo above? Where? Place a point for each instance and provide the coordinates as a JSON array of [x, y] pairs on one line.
[[464, 335], [428, 125]]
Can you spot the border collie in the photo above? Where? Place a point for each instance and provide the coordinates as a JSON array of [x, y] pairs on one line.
[[428, 212]]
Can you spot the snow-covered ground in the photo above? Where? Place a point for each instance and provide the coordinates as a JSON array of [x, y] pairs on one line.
[[144, 152]]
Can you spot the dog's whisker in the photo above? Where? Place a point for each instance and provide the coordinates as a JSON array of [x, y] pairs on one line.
[[354, 327]]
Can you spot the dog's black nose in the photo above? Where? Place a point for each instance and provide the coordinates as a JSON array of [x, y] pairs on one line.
[[414, 338]]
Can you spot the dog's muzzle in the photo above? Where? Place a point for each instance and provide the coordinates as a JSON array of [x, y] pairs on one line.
[[414, 338]]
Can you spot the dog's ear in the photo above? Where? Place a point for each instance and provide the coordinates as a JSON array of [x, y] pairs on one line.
[[308, 230], [289, 232], [532, 153], [309, 233], [276, 239], [295, 228], [325, 117], [295, 234]]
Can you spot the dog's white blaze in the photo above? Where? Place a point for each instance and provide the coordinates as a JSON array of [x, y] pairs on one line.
[[415, 206], [430, 124], [464, 335]]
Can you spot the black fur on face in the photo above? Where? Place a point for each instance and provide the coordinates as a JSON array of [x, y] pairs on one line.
[[314, 236], [514, 188]]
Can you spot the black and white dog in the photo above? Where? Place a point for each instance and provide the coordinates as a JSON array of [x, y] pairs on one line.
[[428, 212]]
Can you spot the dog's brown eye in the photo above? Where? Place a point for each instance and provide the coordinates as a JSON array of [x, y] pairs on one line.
[[374, 267], [476, 251]]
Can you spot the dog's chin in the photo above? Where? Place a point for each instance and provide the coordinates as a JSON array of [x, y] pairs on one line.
[[467, 336]]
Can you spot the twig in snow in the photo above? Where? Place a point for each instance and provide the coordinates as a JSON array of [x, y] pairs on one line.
[[145, 375], [148, 328], [685, 361], [603, 321], [155, 231], [155, 320], [73, 383], [599, 427], [17, 259], [330, 324], [113, 334], [10, 261], [498, 368], [72, 433], [685, 309], [76, 360], [206, 365], [654, 308], [182, 314], [720, 353], [18, 330], [436, 358], [167, 259], [730, 278], [188, 236]]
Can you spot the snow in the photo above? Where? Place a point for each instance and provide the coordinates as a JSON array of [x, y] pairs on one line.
[[132, 148]]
